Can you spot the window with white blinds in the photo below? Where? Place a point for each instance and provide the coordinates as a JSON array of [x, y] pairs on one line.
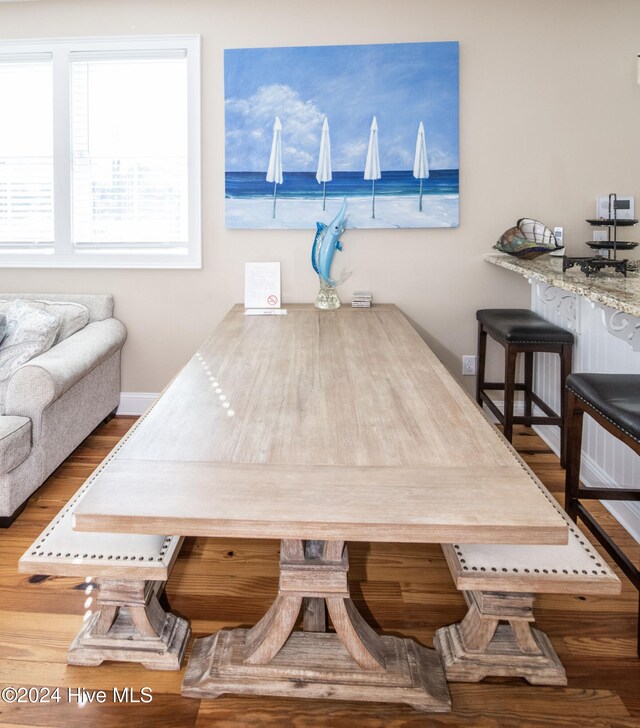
[[26, 151], [100, 153]]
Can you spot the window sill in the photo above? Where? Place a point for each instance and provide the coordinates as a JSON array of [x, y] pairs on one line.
[[177, 259]]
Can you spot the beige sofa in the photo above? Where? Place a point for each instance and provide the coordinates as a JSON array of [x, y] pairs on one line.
[[56, 399]]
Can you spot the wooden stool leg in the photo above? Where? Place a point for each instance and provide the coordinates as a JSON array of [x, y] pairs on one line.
[[482, 356], [638, 624], [528, 382], [510, 357], [573, 425], [565, 369]]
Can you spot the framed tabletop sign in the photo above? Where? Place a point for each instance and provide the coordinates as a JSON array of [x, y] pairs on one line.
[[262, 286]]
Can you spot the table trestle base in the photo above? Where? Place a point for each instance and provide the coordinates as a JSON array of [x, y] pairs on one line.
[[496, 639], [355, 663], [131, 626], [317, 665]]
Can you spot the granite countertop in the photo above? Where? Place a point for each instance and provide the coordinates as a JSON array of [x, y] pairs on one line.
[[610, 289]]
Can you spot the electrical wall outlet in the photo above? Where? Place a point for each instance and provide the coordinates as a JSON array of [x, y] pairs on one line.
[[600, 236], [469, 362]]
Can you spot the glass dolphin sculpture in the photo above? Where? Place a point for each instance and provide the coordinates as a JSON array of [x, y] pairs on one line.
[[326, 242]]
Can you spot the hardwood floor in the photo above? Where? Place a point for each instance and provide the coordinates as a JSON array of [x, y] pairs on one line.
[[404, 589]]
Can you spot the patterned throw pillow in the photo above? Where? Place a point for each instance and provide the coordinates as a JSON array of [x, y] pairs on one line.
[[3, 326], [73, 316], [29, 333]]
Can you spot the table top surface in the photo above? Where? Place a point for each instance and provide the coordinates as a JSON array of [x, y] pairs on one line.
[[320, 425]]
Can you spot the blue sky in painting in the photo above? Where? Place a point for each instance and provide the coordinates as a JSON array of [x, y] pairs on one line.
[[401, 84]]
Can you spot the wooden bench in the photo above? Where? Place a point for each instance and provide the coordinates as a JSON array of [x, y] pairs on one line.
[[131, 572], [499, 583]]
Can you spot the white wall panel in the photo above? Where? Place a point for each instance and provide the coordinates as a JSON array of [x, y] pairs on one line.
[[605, 460]]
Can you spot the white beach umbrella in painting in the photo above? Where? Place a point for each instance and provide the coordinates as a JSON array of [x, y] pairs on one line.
[[420, 163], [372, 165], [274, 172], [324, 161]]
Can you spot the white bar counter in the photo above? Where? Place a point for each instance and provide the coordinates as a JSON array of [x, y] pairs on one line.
[[603, 312]]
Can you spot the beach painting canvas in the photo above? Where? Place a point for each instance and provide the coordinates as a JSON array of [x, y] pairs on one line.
[[307, 127]]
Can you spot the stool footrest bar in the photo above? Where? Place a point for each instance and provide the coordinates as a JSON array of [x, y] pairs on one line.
[[629, 569]]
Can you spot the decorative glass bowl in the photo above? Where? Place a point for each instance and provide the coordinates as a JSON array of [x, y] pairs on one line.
[[528, 239]]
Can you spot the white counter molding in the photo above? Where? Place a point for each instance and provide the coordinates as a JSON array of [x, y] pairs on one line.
[[603, 311]]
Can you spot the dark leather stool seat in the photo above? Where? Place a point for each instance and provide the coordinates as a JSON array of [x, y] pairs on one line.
[[615, 396], [521, 326], [520, 330], [613, 401]]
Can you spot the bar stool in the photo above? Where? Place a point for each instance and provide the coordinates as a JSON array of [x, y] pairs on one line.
[[520, 330], [613, 401]]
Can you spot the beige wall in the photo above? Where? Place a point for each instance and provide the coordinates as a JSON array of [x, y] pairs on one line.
[[549, 117]]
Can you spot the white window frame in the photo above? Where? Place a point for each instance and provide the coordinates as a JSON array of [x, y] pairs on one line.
[[64, 254]]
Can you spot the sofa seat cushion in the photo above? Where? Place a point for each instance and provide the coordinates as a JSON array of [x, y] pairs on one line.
[[29, 333], [15, 441], [73, 316]]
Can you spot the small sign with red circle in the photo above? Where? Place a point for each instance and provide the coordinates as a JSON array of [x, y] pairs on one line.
[[262, 285]]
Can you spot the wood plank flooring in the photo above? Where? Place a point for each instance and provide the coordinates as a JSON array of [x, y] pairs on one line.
[[403, 589]]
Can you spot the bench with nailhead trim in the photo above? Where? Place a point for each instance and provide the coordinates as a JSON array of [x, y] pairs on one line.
[[130, 572], [499, 583]]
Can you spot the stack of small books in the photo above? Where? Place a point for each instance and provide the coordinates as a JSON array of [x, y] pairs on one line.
[[361, 299]]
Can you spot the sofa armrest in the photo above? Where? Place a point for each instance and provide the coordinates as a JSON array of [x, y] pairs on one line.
[[39, 382]]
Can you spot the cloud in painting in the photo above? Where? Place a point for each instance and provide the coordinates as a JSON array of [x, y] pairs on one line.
[[250, 128], [440, 159], [399, 152], [351, 155]]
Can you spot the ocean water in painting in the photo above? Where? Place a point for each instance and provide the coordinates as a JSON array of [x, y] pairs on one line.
[[304, 185], [306, 127]]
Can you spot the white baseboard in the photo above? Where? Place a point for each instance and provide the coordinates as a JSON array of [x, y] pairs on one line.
[[135, 403]]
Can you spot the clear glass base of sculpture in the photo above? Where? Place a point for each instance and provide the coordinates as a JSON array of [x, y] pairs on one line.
[[327, 299]]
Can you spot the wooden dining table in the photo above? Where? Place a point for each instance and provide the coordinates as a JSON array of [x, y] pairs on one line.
[[318, 428]]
